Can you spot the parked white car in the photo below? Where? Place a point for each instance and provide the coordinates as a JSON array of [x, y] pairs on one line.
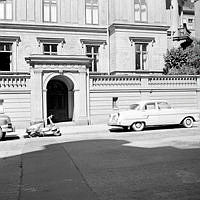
[[153, 113]]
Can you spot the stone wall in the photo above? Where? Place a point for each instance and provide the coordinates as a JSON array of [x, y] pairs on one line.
[[179, 91], [107, 94], [15, 91]]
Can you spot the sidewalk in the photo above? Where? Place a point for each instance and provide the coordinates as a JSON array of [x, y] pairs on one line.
[[72, 129], [69, 128]]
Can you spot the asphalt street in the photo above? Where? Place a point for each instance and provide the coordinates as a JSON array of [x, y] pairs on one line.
[[156, 164]]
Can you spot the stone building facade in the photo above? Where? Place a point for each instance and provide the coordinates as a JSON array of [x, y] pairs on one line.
[[50, 48]]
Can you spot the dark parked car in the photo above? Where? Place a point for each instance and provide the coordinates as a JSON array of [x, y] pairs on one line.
[[5, 122]]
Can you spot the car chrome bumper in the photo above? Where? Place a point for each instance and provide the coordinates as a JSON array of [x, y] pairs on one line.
[[8, 128], [113, 123]]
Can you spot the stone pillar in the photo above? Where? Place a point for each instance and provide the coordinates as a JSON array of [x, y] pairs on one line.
[[83, 111], [45, 105], [76, 105], [70, 104], [36, 95]]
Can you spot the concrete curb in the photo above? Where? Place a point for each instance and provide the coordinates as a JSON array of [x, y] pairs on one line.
[[72, 129], [80, 129]]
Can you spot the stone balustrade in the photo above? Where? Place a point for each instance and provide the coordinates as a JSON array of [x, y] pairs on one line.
[[14, 81], [173, 81], [114, 81], [22, 81], [143, 81]]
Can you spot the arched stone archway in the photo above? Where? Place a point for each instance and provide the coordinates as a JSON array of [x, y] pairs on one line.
[[60, 99], [68, 73]]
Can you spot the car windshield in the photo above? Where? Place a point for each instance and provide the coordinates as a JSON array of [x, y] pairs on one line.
[[134, 106]]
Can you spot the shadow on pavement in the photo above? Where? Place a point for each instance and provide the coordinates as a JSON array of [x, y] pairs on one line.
[[100, 169]]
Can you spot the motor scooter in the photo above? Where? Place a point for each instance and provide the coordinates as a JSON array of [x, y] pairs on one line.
[[39, 130]]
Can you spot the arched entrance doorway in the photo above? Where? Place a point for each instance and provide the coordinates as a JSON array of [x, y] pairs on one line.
[[58, 100]]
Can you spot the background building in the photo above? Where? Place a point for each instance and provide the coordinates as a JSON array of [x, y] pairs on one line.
[[197, 18], [50, 48]]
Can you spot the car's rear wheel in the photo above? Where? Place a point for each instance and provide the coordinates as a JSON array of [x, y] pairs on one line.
[[138, 126], [2, 134], [188, 122]]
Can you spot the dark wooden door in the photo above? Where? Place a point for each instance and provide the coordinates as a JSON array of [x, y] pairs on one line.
[[57, 100]]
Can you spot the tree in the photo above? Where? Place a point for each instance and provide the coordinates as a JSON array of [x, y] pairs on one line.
[[179, 61]]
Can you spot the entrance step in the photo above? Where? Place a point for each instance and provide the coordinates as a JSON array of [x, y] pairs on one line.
[[64, 124]]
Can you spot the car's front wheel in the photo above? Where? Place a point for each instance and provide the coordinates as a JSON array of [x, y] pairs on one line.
[[138, 126], [188, 122]]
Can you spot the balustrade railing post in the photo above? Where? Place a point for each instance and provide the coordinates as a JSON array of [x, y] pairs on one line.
[[144, 92], [144, 82]]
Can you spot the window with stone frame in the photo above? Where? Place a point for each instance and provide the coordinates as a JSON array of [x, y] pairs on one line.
[[141, 47], [49, 10], [91, 12], [141, 56], [92, 51], [5, 56], [50, 46], [6, 9], [140, 10], [50, 49]]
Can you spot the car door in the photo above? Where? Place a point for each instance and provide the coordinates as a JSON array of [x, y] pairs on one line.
[[151, 112], [166, 113]]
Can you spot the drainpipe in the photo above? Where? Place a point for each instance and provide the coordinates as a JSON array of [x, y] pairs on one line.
[[108, 35]]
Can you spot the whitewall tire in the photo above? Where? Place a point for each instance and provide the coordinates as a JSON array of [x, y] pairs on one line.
[[138, 126], [188, 122]]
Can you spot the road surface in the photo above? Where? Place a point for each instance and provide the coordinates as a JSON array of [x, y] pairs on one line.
[[156, 164]]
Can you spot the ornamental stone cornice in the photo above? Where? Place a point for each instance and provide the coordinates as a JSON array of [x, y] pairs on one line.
[[57, 60], [93, 42], [138, 26], [142, 39], [10, 38], [53, 27], [50, 40]]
